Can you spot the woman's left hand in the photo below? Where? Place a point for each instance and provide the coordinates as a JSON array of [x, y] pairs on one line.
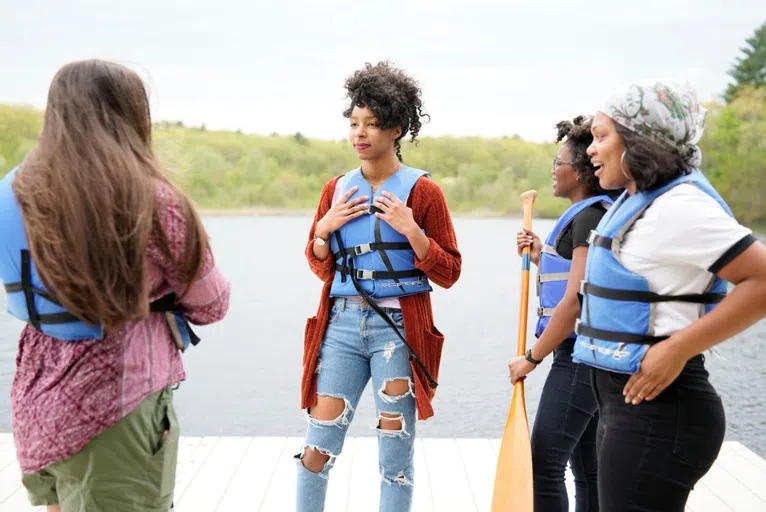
[[397, 214], [519, 368], [660, 367]]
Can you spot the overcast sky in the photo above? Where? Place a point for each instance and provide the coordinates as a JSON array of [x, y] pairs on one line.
[[488, 68]]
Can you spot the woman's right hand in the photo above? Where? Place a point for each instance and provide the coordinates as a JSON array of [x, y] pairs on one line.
[[340, 213], [526, 238]]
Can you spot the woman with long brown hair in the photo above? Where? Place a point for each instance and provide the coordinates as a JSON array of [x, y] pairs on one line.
[[106, 260]]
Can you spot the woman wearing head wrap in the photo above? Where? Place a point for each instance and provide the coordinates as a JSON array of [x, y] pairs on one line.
[[655, 298]]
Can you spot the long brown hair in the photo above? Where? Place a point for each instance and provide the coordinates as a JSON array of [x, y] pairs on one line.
[[88, 195]]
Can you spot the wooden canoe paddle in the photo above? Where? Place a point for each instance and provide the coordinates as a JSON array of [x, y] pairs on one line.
[[513, 478]]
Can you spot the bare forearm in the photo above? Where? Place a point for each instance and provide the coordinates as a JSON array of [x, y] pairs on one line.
[[558, 329], [743, 307]]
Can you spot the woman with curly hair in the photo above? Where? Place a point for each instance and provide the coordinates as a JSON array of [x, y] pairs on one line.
[[381, 236], [566, 419]]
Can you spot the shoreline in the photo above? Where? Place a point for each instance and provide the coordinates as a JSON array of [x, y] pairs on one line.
[[269, 211], [266, 211]]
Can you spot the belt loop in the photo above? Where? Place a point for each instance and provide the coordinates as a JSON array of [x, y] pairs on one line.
[[343, 304]]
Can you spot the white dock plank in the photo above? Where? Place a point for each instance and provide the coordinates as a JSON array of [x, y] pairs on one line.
[[480, 461], [259, 474], [214, 476], [18, 502], [446, 467], [191, 466], [340, 478], [742, 469], [364, 493], [10, 480], [702, 499], [280, 496], [252, 478], [731, 491], [748, 454], [422, 498], [7, 451]]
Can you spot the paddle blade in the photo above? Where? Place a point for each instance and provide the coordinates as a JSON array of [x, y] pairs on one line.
[[513, 479]]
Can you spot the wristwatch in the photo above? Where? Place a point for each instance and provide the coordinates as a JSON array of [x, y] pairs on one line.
[[319, 240], [528, 357]]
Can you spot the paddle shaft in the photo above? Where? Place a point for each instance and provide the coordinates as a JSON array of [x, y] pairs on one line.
[[527, 203]]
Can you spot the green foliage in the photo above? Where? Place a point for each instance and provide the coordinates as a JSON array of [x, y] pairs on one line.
[[230, 170], [734, 153], [750, 68]]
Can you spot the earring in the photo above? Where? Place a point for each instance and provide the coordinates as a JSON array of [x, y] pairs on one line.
[[623, 169]]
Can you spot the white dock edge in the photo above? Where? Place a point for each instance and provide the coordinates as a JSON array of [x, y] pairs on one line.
[[228, 474]]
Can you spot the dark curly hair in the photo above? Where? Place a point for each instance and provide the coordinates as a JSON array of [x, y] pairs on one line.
[[578, 138], [650, 164], [393, 96]]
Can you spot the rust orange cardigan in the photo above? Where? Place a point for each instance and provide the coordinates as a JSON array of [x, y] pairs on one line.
[[441, 266]]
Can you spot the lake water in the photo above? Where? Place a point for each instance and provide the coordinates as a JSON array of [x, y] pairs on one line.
[[244, 378]]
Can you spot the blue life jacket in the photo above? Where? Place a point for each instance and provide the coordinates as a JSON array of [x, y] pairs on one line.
[[553, 270], [380, 258], [29, 301], [615, 327]]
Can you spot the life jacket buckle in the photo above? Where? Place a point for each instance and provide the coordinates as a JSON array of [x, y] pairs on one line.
[[365, 274], [592, 237], [362, 249]]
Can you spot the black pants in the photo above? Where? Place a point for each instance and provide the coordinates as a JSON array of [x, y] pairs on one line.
[[565, 430], [651, 455]]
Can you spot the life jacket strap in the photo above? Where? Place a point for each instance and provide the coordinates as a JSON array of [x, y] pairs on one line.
[[167, 303], [616, 336], [360, 249], [648, 297], [363, 275], [596, 240]]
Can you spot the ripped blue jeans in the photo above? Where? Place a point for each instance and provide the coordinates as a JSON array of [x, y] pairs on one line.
[[359, 345]]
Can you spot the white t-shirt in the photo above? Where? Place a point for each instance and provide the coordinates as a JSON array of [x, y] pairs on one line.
[[678, 238]]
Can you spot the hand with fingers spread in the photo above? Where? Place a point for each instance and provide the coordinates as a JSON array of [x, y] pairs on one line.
[[662, 364], [341, 212], [397, 214], [527, 238]]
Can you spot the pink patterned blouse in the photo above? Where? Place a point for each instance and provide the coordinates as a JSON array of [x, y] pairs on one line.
[[65, 393]]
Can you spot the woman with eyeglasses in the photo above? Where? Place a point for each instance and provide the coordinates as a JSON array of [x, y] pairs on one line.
[[566, 420]]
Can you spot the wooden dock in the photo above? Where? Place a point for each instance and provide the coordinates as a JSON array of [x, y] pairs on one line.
[[231, 474]]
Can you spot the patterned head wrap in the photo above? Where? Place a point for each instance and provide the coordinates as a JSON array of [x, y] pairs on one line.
[[666, 111]]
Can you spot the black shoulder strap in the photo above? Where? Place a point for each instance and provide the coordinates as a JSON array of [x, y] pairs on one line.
[[387, 319]]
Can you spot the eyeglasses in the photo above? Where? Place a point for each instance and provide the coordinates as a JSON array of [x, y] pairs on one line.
[[557, 163]]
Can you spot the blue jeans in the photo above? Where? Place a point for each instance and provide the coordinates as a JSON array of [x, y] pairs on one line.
[[565, 429], [359, 344]]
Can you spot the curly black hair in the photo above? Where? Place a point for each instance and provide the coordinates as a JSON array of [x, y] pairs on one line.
[[651, 164], [578, 138], [393, 96]]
